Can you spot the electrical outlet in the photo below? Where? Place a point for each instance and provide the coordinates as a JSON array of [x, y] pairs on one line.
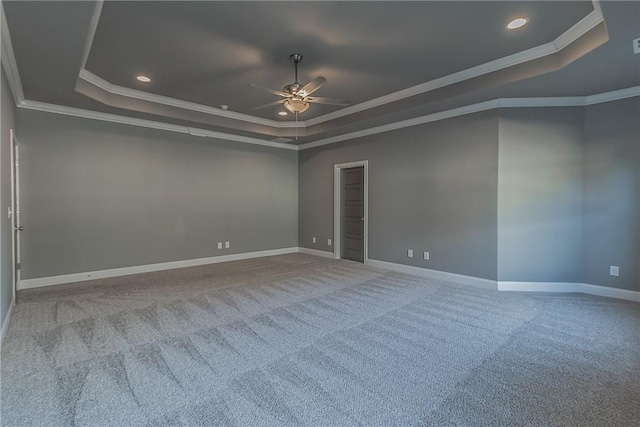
[[219, 245], [426, 256], [636, 46], [614, 270], [410, 253], [313, 239], [329, 242], [226, 245]]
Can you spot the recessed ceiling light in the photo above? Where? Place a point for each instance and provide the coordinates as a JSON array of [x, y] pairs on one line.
[[143, 79], [225, 107], [282, 113], [517, 23]]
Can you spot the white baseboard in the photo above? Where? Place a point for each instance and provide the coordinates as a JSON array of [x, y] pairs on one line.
[[316, 252], [125, 271], [605, 291], [434, 274], [540, 286], [585, 288], [6, 321], [408, 269]]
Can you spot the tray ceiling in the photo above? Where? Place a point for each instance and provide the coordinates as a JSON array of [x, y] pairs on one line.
[[393, 60]]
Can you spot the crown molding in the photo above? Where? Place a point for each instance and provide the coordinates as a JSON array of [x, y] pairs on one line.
[[579, 29], [572, 101], [442, 115], [569, 101], [9, 60], [114, 118], [98, 81], [561, 101], [615, 95], [575, 32], [93, 27]]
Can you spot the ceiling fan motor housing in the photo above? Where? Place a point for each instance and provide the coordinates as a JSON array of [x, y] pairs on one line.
[[292, 89]]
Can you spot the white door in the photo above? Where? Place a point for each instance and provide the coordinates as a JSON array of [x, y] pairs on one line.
[[15, 210]]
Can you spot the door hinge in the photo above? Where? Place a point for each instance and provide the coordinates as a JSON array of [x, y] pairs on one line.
[[18, 265]]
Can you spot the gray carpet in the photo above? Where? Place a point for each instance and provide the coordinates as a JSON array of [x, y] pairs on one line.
[[297, 339]]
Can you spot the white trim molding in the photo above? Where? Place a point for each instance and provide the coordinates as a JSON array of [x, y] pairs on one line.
[[505, 286], [434, 274], [6, 321], [108, 87], [337, 206], [584, 288], [614, 95], [316, 252], [572, 101], [566, 101], [9, 60], [93, 26], [125, 271], [114, 118], [579, 29]]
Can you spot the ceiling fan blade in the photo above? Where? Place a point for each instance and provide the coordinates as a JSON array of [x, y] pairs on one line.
[[273, 91], [271, 104], [313, 85], [328, 101]]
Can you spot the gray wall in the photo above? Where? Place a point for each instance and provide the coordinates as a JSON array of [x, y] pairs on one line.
[[540, 195], [7, 113], [612, 193], [98, 195], [431, 188], [519, 194]]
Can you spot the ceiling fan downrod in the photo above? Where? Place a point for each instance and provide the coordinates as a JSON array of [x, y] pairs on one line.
[[296, 57]]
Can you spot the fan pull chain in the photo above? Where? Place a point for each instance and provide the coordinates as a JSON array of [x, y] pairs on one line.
[[296, 125]]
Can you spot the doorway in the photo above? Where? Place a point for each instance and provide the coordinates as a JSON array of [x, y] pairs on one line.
[[351, 211]]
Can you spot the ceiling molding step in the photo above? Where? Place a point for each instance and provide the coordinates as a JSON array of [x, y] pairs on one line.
[[615, 95], [460, 76], [114, 118], [442, 115], [569, 101], [572, 34], [101, 83], [93, 27], [579, 29], [9, 60], [583, 26]]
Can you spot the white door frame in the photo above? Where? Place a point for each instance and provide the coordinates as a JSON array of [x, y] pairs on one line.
[[15, 211], [337, 206]]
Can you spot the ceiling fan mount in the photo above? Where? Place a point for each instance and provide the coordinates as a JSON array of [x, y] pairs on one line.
[[295, 96]]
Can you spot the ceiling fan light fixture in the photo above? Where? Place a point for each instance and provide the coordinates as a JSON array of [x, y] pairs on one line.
[[296, 105]]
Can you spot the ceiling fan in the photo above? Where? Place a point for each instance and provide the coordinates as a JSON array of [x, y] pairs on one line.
[[295, 96]]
